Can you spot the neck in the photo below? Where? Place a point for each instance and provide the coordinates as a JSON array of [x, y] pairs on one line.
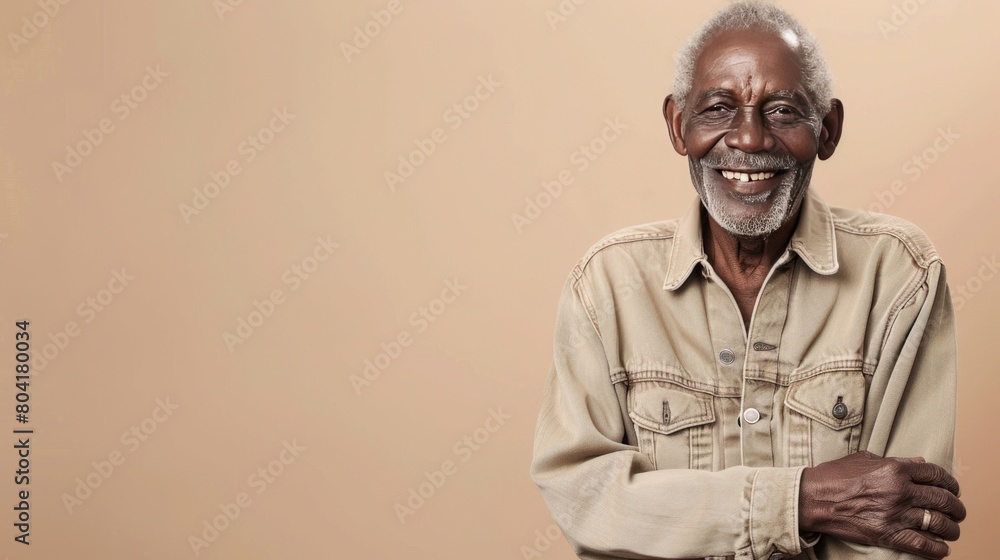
[[745, 256]]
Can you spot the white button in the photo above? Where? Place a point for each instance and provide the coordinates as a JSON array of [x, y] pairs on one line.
[[751, 415]]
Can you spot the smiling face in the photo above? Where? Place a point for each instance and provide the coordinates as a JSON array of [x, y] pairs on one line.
[[750, 130]]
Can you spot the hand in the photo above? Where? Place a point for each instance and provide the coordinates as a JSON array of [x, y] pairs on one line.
[[880, 501]]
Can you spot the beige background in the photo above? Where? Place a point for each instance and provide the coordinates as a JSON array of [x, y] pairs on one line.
[[322, 175]]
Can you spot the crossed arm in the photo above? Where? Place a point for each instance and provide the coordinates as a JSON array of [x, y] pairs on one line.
[[611, 503]]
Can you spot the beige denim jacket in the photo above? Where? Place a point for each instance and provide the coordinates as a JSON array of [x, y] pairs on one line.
[[668, 430]]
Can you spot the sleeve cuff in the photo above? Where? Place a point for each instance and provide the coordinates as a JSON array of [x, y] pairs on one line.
[[774, 514]]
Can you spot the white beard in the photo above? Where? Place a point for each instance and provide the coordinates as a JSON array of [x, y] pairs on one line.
[[739, 216]]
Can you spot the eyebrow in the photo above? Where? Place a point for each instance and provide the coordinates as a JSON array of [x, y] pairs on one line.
[[716, 92], [783, 94], [788, 94]]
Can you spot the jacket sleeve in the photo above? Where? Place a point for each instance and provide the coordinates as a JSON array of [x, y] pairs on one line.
[[914, 391], [606, 496]]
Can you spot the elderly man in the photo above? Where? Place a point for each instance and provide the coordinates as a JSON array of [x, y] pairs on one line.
[[766, 377]]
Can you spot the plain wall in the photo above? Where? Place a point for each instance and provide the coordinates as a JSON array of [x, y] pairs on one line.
[[199, 78]]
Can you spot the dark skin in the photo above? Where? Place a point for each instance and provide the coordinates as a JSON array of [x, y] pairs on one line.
[[743, 262], [749, 97], [750, 101]]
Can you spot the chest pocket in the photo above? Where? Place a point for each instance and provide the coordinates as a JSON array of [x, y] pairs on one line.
[[673, 424], [824, 416]]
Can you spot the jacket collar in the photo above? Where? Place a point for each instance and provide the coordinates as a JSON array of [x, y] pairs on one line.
[[813, 241]]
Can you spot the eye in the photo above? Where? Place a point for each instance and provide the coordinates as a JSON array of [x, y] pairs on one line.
[[784, 111], [717, 111], [714, 113], [784, 115]]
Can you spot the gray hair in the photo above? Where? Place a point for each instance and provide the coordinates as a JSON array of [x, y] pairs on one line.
[[767, 17]]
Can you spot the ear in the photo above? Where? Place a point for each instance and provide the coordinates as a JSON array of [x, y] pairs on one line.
[[833, 125], [673, 117]]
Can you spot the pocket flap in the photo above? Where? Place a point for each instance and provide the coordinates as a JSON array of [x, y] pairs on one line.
[[665, 408], [835, 398]]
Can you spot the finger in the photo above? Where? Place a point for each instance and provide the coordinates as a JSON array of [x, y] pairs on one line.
[[933, 475], [913, 542], [940, 525], [942, 501], [944, 527]]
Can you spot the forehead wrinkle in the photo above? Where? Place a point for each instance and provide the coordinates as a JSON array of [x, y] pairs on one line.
[[748, 89], [746, 92], [722, 63], [725, 60], [750, 85], [740, 74]]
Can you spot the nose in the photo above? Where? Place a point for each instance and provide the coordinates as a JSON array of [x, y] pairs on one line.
[[749, 134]]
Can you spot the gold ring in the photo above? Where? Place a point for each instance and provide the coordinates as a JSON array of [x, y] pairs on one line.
[[927, 520]]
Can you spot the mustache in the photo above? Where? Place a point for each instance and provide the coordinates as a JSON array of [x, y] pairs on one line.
[[743, 160]]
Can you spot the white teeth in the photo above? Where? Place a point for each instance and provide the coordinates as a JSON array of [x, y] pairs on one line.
[[747, 177]]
